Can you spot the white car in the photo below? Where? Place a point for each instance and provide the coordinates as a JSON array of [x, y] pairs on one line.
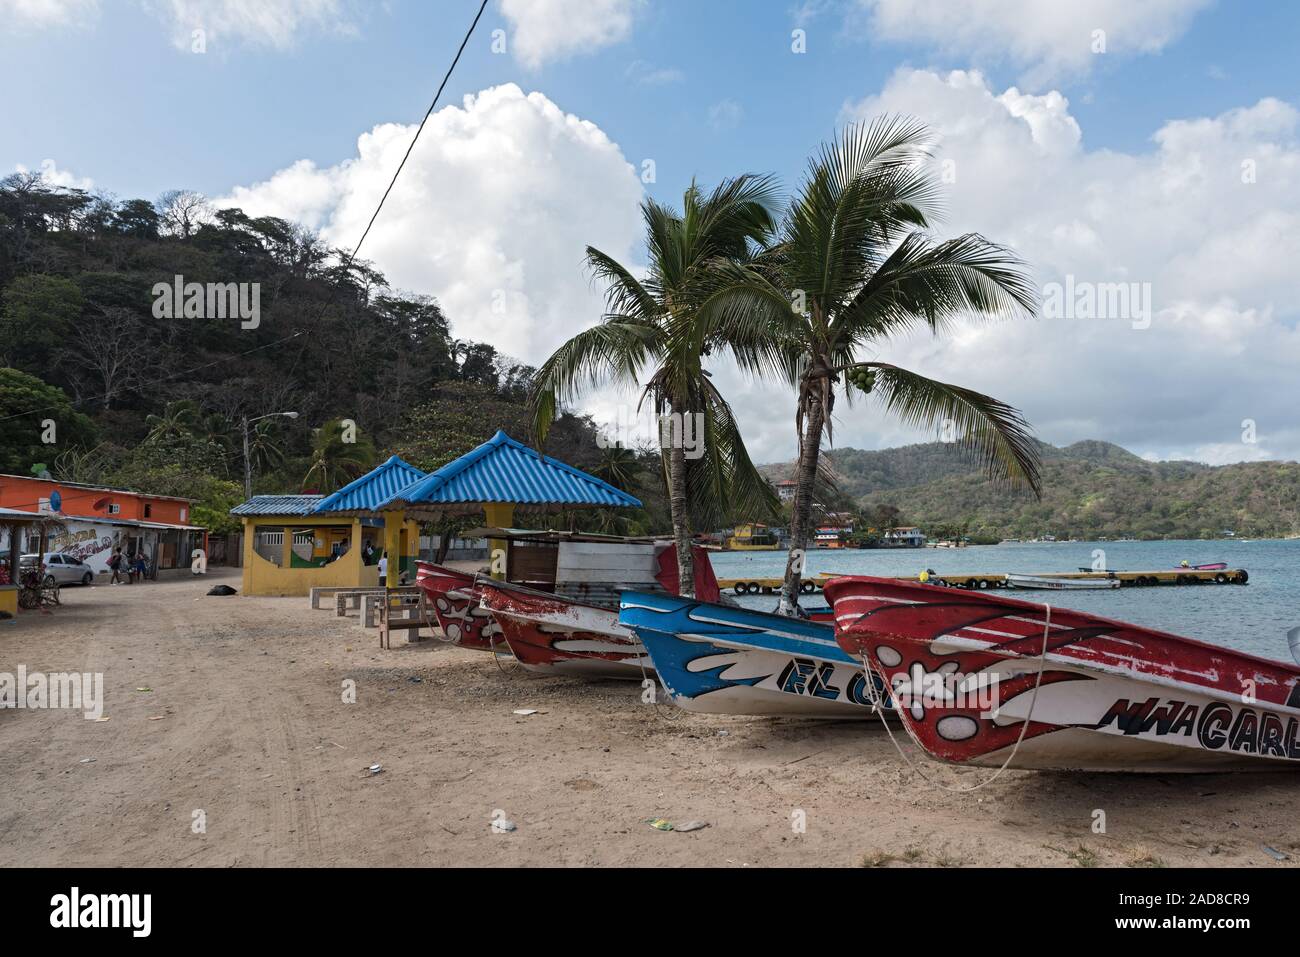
[[64, 569]]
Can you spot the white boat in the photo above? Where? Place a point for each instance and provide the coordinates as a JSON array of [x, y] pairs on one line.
[[1060, 584]]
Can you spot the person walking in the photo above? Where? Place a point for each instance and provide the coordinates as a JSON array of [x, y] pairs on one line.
[[140, 568], [115, 562]]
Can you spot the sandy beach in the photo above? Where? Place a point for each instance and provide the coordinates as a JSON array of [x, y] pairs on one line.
[[233, 707]]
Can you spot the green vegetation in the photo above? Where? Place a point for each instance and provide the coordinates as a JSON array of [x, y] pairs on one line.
[[1090, 490], [653, 325], [157, 404]]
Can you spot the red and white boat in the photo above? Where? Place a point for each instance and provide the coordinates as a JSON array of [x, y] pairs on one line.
[[551, 633], [457, 604], [557, 610], [1113, 696]]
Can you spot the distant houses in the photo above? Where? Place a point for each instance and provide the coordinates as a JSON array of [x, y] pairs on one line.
[[905, 536]]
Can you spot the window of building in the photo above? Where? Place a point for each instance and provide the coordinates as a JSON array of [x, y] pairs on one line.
[[148, 510]]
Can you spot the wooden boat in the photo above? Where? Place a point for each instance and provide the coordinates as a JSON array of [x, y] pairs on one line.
[[559, 635], [719, 659], [1112, 696], [456, 603], [1060, 584]]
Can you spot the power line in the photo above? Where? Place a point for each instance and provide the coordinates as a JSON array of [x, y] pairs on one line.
[[345, 266]]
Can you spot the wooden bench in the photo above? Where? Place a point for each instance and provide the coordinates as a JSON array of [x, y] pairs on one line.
[[321, 591], [370, 605], [398, 613], [345, 601]]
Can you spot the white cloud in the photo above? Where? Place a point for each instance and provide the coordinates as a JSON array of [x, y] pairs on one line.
[[48, 13], [1218, 252], [548, 30], [492, 214], [1050, 39], [646, 74], [274, 24], [51, 173], [725, 115]]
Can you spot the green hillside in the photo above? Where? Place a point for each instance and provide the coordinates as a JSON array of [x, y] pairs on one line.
[[1091, 489]]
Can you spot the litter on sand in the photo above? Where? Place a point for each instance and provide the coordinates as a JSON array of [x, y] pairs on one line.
[[662, 824], [526, 711], [374, 769]]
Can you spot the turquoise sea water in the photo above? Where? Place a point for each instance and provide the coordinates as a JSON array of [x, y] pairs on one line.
[[1254, 618]]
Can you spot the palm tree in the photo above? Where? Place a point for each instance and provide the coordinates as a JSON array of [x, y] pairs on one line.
[[335, 462], [178, 420], [619, 466], [649, 323], [854, 266], [264, 452]]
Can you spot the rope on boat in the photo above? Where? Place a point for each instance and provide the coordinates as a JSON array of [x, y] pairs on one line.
[[1033, 700], [660, 710]]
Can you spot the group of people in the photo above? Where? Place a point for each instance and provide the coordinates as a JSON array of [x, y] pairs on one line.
[[127, 569]]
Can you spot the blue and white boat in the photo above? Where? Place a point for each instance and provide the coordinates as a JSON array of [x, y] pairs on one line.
[[717, 659]]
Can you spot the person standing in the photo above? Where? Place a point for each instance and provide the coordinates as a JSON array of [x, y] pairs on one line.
[[383, 568], [115, 566]]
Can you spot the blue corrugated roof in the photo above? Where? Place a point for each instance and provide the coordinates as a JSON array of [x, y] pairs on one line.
[[503, 470], [374, 488], [277, 505]]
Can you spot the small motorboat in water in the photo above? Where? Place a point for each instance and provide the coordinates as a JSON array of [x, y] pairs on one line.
[[1043, 583], [1205, 567], [973, 672], [719, 659]]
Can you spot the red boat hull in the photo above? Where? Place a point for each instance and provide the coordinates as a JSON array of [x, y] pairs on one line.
[[1113, 696], [457, 604], [553, 634]]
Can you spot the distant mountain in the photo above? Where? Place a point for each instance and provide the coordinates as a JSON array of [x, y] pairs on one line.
[[1090, 489]]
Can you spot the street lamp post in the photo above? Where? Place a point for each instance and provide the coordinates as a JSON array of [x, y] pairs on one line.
[[248, 459]]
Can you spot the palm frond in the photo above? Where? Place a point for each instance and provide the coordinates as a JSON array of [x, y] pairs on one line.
[[936, 283], [987, 429]]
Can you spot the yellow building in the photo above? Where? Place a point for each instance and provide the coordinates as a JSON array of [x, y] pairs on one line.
[[289, 548], [755, 537]]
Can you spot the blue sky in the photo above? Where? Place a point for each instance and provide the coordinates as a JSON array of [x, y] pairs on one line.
[[115, 100], [1120, 165]]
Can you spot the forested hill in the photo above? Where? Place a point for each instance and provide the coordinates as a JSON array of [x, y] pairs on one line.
[[146, 401], [1090, 489]]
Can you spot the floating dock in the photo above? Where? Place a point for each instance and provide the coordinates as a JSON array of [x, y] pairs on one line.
[[981, 580]]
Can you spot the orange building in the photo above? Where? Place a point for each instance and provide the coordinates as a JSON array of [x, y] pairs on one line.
[[96, 519]]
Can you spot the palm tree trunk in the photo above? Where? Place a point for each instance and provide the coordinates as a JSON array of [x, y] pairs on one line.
[[801, 515], [681, 521]]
